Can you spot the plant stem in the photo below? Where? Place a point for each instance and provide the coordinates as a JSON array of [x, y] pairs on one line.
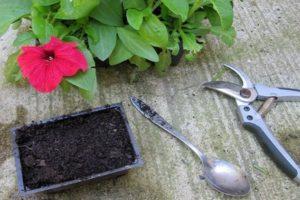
[[53, 20], [48, 16]]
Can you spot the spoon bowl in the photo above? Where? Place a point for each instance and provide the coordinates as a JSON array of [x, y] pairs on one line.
[[226, 177]]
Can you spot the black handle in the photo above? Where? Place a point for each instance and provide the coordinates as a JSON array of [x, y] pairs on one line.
[[254, 122], [281, 161]]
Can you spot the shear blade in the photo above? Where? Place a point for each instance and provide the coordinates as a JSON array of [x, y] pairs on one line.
[[230, 89], [243, 76]]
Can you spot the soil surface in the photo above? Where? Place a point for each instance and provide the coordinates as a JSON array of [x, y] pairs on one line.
[[73, 148]]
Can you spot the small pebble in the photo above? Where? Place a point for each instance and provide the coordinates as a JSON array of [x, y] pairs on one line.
[[42, 163]]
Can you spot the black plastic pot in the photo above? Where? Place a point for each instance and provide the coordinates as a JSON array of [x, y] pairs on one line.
[[24, 190]]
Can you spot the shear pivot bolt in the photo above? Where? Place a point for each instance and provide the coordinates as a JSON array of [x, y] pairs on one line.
[[246, 93], [249, 117]]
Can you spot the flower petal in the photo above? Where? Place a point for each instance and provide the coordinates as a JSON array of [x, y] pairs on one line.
[[56, 43], [65, 67], [33, 51], [52, 44], [45, 79], [73, 56], [30, 59]]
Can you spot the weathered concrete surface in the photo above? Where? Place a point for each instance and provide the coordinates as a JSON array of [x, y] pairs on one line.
[[267, 47]]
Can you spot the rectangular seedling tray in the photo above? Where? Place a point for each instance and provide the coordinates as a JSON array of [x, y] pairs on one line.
[[69, 150]]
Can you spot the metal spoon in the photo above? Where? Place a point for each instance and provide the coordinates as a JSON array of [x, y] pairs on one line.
[[220, 174]]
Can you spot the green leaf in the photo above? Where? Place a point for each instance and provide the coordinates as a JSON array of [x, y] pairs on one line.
[[135, 18], [107, 40], [74, 27], [225, 12], [27, 38], [136, 4], [79, 42], [12, 10], [173, 44], [40, 26], [197, 17], [190, 42], [154, 31], [136, 45], [19, 77], [164, 62], [45, 2], [12, 70], [92, 33], [196, 5], [147, 12], [43, 10], [88, 55], [141, 63], [109, 12], [82, 47], [165, 13], [84, 80], [227, 36], [178, 7], [120, 54], [60, 30], [88, 95], [65, 85], [206, 2], [75, 9], [213, 17], [190, 56], [200, 31]]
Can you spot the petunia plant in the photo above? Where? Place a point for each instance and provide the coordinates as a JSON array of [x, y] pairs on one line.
[[65, 37]]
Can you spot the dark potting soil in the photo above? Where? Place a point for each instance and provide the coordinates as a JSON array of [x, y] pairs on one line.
[[73, 148]]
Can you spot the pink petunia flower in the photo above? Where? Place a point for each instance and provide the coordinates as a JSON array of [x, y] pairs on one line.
[[46, 65]]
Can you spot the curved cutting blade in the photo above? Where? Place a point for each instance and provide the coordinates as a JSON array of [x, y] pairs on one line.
[[230, 89], [247, 83]]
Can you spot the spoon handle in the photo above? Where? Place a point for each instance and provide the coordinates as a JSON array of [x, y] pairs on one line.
[[159, 121], [155, 118]]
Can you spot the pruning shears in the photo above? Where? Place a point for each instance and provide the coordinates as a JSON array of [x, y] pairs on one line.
[[253, 120]]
